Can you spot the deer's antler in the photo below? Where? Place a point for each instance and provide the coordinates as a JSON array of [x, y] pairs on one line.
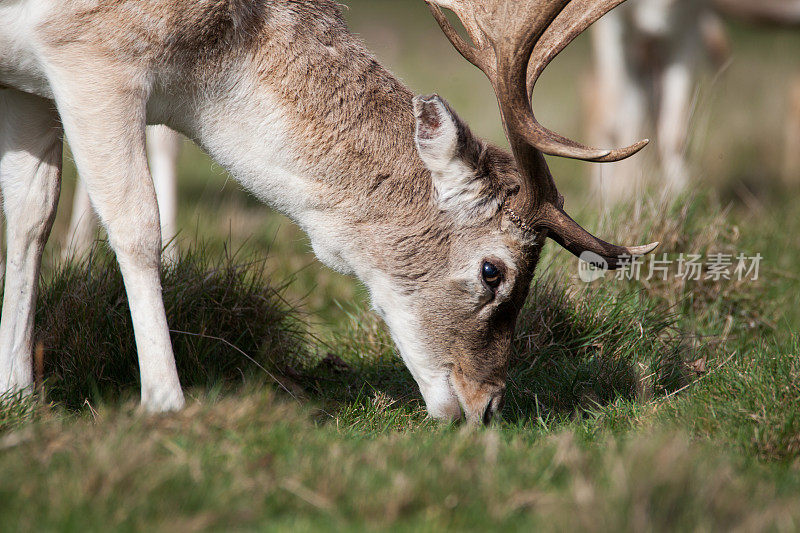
[[513, 41]]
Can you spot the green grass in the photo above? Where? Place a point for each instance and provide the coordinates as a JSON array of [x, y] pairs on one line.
[[606, 426], [631, 405], [254, 462]]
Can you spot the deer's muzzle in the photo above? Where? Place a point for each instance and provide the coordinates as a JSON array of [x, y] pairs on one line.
[[480, 401]]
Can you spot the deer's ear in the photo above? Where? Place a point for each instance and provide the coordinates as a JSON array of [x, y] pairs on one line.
[[437, 132], [445, 145]]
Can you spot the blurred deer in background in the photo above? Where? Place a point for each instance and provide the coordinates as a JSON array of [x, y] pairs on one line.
[[646, 56], [163, 146], [444, 229]]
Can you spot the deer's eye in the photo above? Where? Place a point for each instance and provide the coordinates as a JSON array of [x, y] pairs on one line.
[[491, 275]]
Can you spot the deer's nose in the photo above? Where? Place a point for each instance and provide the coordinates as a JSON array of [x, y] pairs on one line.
[[494, 407]]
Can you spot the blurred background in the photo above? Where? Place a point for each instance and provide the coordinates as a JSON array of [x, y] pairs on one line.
[[735, 149]]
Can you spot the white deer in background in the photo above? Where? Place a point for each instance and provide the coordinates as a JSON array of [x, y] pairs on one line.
[[444, 229], [647, 54], [163, 146]]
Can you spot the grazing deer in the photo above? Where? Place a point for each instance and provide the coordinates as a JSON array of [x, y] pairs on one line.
[[163, 146], [444, 229], [646, 56]]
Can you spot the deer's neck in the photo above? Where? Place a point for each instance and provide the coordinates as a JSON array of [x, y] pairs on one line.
[[321, 132]]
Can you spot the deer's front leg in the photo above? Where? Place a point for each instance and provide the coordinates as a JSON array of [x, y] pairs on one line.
[[30, 173], [106, 132]]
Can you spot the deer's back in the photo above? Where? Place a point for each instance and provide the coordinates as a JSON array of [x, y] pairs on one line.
[[346, 111]]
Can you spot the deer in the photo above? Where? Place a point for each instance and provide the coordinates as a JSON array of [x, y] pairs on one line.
[[163, 147], [646, 57], [444, 229]]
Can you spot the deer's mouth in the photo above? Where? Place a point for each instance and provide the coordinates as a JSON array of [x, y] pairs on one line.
[[480, 401]]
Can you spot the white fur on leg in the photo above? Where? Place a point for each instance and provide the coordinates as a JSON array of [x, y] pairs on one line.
[[163, 146], [161, 389], [107, 142], [626, 177], [30, 171], [619, 109]]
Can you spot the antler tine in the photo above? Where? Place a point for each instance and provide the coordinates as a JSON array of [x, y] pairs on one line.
[[470, 53], [552, 143], [569, 234]]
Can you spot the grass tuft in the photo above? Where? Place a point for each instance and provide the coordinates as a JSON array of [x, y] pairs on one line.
[[227, 326], [16, 410]]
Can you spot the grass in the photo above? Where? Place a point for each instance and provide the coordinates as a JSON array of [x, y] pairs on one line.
[[227, 324], [751, 401], [254, 461], [606, 426], [214, 466], [631, 405]]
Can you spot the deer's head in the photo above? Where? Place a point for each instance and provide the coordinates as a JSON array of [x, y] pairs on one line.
[[454, 321]]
